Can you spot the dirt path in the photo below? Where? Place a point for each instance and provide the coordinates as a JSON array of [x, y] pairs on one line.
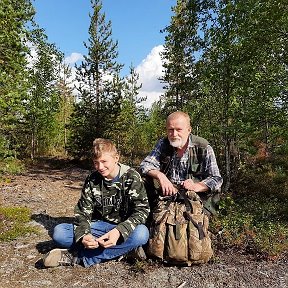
[[51, 195]]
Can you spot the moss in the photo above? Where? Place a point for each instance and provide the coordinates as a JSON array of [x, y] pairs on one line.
[[14, 223]]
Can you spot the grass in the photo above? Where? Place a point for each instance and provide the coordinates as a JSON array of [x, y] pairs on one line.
[[14, 223]]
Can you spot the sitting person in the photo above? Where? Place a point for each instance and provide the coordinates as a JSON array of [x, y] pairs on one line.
[[181, 160], [109, 216]]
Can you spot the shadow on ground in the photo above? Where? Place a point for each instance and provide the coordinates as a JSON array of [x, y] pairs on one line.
[[49, 223]]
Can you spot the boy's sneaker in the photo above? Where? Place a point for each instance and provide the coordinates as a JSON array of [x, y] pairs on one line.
[[59, 257], [137, 254]]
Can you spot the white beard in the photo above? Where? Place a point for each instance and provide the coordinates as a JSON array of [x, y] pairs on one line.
[[177, 143]]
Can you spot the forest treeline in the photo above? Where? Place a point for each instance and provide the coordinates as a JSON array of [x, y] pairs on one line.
[[224, 63]]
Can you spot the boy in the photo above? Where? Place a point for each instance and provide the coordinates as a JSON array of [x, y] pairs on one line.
[[109, 216]]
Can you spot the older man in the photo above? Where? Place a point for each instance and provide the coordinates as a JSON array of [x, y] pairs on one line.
[[182, 160]]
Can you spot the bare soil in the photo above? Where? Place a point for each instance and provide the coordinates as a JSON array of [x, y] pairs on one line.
[[51, 193]]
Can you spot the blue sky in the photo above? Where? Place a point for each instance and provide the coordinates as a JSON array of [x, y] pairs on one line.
[[136, 25]]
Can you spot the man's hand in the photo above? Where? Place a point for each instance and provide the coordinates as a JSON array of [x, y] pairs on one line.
[[189, 184], [167, 187], [89, 242], [109, 239]]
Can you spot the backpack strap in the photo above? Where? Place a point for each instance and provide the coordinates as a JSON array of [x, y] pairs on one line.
[[188, 205], [196, 154], [189, 210], [166, 155]]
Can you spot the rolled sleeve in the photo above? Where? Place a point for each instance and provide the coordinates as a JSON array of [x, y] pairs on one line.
[[213, 180], [152, 161]]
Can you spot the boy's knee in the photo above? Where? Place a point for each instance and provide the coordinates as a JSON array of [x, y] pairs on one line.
[[60, 233], [142, 234]]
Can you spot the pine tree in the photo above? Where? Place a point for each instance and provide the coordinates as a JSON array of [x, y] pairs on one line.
[[66, 104], [179, 56], [127, 130], [99, 84]]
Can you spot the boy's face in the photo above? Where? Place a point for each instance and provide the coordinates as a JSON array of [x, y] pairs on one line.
[[106, 165]]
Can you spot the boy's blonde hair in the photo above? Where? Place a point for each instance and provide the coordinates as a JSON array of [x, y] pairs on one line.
[[101, 146]]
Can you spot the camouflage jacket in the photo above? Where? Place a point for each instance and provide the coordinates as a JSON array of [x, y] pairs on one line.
[[122, 202]]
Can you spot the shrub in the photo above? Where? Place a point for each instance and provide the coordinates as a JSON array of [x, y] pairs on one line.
[[254, 217], [11, 165]]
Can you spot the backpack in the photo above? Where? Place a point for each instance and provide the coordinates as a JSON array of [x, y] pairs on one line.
[[179, 230]]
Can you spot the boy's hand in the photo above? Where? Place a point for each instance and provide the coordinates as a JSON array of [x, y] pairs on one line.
[[109, 239], [90, 242]]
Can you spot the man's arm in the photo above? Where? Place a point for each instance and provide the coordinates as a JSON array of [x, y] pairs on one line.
[[167, 187], [198, 187], [214, 180], [209, 168], [150, 166]]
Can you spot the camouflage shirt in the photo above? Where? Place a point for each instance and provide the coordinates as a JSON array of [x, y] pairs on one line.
[[122, 201]]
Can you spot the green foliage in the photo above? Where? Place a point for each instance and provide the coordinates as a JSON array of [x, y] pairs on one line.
[[13, 223], [226, 64], [62, 117], [10, 165], [44, 101], [28, 97], [14, 16], [153, 128], [255, 216], [127, 130], [179, 61]]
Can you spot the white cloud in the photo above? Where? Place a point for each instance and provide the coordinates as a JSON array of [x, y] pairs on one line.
[[73, 83], [32, 57], [149, 71], [73, 58]]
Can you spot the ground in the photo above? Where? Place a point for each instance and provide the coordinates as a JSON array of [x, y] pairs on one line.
[[51, 194]]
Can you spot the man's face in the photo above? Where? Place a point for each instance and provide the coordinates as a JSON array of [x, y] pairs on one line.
[[178, 130], [106, 165]]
